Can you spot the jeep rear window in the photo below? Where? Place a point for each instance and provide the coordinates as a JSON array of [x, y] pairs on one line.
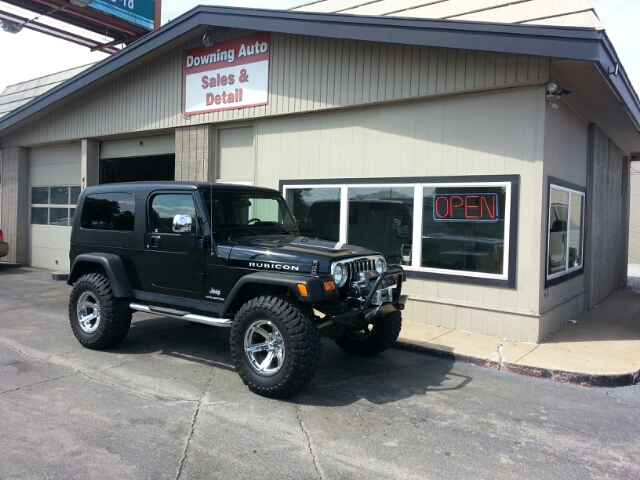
[[108, 211]]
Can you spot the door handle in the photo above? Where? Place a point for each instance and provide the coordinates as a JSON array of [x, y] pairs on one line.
[[155, 241]]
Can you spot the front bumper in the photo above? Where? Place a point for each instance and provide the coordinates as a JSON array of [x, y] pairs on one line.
[[380, 301]]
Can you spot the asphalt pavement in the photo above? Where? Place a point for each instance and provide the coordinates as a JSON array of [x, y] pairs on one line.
[[168, 404]]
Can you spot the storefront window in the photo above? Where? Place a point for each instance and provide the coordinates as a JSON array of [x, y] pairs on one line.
[[317, 211], [463, 229], [565, 242], [54, 205], [380, 218]]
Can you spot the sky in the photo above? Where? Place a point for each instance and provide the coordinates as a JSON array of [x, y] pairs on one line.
[[29, 55]]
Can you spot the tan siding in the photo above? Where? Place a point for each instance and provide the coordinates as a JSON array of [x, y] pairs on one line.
[[566, 144], [634, 220], [606, 218], [496, 133], [306, 74]]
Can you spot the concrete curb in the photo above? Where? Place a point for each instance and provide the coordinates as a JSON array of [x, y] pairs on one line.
[[60, 276], [575, 378]]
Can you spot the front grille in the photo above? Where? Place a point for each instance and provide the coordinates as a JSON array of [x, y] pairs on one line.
[[357, 265]]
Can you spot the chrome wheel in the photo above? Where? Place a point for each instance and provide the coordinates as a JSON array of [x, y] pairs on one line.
[[264, 347], [88, 311]]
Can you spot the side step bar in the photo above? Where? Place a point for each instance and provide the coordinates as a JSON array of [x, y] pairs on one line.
[[168, 312]]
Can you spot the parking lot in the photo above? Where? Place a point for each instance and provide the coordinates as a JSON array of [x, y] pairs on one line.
[[168, 404]]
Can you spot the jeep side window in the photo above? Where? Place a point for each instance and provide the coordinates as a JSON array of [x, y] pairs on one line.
[[108, 211], [166, 206]]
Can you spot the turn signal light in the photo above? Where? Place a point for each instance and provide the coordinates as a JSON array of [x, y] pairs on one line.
[[303, 289], [329, 286]]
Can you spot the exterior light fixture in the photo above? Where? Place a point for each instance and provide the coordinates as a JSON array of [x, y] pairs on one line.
[[212, 35], [81, 3], [11, 27], [555, 91]]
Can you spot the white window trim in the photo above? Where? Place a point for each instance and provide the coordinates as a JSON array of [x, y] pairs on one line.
[[418, 220], [49, 206], [568, 270]]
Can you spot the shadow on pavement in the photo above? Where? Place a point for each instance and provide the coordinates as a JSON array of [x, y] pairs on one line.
[[341, 379]]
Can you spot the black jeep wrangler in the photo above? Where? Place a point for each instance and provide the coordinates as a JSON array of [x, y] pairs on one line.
[[228, 256]]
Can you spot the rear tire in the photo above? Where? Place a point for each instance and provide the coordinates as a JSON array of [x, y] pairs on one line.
[[98, 318], [275, 345], [372, 340]]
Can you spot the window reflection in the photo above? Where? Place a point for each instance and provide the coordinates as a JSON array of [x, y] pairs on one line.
[[380, 219], [317, 211], [463, 228], [565, 230]]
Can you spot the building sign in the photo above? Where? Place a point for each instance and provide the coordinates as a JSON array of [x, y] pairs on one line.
[[470, 207], [228, 75], [138, 12]]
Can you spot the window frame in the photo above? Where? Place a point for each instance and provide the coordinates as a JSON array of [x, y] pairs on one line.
[[568, 273], [68, 206], [507, 279]]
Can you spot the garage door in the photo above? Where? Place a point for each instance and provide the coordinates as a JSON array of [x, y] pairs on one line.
[[138, 159], [236, 156], [54, 186]]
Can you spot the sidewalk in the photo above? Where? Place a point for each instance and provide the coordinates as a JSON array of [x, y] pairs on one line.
[[601, 350]]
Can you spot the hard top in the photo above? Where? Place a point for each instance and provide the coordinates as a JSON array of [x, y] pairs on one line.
[[143, 188]]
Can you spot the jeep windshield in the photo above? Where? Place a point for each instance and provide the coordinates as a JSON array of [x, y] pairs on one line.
[[248, 213]]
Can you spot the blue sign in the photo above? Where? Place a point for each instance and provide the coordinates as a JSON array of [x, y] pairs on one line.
[[138, 12]]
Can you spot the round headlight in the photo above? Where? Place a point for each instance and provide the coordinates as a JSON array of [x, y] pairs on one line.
[[381, 265], [339, 274]]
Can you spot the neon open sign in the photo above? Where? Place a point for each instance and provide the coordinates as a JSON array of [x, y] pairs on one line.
[[465, 207]]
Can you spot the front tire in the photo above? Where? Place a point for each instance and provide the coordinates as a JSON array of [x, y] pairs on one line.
[[98, 318], [275, 345], [372, 340]]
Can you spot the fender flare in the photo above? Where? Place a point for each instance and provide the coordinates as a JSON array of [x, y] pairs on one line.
[[113, 267], [313, 284]]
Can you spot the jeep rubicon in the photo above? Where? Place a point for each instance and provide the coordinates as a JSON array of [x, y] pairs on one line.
[[229, 256]]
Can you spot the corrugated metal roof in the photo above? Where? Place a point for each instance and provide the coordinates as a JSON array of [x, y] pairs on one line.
[[15, 96], [566, 13]]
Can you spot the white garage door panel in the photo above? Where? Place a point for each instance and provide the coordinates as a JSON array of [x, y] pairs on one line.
[[51, 167], [48, 245], [54, 166], [58, 176], [138, 147], [236, 155]]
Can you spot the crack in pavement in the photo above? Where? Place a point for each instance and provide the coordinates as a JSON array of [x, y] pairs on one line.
[[193, 426], [624, 404], [46, 358], [37, 383], [314, 457]]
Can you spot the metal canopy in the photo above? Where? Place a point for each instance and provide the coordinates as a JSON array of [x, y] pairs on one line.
[[88, 19]]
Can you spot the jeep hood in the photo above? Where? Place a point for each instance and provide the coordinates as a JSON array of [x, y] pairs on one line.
[[287, 253]]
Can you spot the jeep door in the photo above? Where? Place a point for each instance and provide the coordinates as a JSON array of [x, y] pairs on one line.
[[175, 261]]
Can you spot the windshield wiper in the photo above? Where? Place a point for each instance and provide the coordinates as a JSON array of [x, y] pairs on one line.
[[274, 224], [231, 226]]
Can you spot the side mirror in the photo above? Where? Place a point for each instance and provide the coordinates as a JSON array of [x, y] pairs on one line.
[[182, 224]]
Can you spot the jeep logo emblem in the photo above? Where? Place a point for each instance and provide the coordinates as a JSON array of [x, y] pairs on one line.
[[274, 266]]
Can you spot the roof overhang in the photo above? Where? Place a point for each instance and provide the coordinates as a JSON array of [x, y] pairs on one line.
[[579, 44]]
